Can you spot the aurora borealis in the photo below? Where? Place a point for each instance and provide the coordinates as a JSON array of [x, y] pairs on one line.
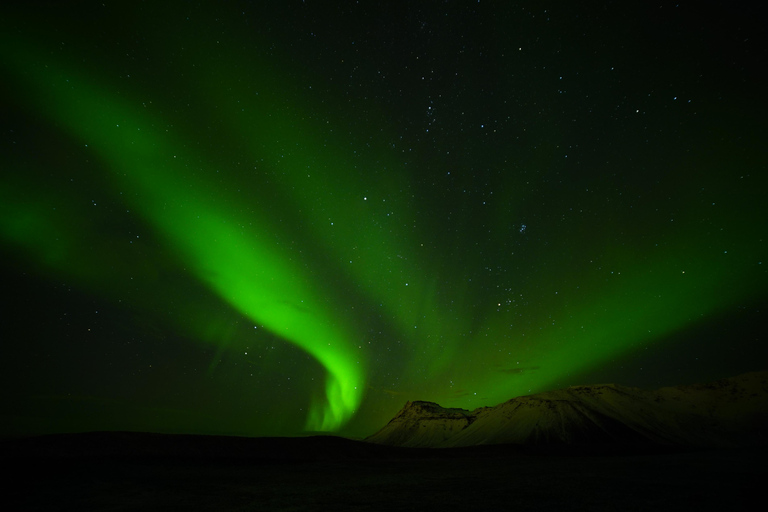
[[265, 219]]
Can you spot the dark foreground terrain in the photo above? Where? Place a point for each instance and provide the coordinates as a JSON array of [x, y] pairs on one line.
[[131, 471]]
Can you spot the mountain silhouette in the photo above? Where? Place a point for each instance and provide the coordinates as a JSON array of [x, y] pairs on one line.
[[731, 412]]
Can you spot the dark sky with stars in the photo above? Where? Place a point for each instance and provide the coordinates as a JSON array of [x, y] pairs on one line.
[[268, 218]]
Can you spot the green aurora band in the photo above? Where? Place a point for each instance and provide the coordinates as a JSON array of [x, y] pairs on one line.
[[222, 246], [229, 234]]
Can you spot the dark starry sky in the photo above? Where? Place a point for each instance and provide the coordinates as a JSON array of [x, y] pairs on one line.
[[264, 218]]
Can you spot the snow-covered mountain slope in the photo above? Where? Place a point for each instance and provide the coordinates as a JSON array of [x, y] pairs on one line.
[[423, 424], [729, 412]]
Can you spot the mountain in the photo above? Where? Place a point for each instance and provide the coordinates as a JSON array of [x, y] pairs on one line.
[[728, 413]]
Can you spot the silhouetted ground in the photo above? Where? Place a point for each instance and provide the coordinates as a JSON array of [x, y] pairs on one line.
[[128, 471]]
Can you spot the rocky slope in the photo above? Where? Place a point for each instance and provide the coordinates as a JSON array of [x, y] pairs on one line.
[[730, 412]]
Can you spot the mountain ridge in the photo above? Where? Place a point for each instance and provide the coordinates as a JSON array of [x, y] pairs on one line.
[[729, 412]]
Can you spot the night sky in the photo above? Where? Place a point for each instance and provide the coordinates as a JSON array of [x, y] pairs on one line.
[[237, 218]]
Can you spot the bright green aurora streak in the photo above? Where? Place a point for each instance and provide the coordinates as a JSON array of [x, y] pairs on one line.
[[236, 259]]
